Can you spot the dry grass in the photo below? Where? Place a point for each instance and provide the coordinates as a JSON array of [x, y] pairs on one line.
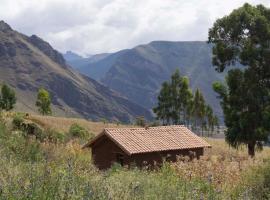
[[63, 124], [222, 165]]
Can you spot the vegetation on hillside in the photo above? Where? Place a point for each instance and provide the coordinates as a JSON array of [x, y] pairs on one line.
[[34, 169], [7, 98], [44, 102], [244, 37], [178, 105]]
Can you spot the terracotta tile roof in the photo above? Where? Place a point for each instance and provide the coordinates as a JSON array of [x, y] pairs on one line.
[[161, 138]]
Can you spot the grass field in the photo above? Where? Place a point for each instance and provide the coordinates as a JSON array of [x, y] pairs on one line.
[[32, 169], [63, 124]]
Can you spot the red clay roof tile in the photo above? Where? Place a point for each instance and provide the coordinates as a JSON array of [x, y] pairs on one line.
[[151, 139]]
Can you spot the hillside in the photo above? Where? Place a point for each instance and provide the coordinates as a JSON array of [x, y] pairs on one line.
[[94, 66], [139, 72], [28, 63], [62, 124]]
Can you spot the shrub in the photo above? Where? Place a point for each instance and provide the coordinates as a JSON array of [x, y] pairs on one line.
[[17, 122], [34, 130], [55, 136], [18, 146], [77, 131]]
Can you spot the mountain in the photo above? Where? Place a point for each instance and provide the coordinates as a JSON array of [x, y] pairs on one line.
[[95, 66], [28, 63], [139, 72], [71, 56]]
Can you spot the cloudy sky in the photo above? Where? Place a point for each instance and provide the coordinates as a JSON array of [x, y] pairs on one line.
[[97, 26]]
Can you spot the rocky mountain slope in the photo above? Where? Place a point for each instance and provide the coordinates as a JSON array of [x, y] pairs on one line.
[[28, 63], [94, 66], [139, 72]]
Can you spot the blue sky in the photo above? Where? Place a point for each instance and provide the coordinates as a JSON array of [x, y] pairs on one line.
[[98, 26]]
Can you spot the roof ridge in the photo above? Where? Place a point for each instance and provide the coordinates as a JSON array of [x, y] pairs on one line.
[[139, 128]]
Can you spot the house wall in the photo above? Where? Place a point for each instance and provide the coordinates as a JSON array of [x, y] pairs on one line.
[[104, 153], [156, 158]]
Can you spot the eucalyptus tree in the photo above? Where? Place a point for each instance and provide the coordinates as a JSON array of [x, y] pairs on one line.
[[177, 105]]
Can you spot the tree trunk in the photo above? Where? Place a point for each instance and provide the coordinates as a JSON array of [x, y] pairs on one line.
[[251, 149]]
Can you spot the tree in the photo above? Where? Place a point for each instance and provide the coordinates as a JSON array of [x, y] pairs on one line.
[[163, 108], [244, 37], [175, 100], [44, 102], [7, 98], [176, 104], [211, 119], [185, 98], [198, 110]]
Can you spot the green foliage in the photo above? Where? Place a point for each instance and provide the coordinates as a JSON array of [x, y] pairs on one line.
[[77, 131], [44, 102], [198, 108], [163, 108], [244, 37], [31, 129], [55, 136], [176, 105], [7, 98], [174, 100], [17, 121], [17, 145]]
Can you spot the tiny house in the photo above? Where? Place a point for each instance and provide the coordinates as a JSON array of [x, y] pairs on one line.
[[144, 146]]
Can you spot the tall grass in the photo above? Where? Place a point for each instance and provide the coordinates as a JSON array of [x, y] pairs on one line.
[[32, 169], [63, 124]]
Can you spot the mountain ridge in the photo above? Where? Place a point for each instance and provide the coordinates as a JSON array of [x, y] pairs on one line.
[[28, 63], [139, 72]]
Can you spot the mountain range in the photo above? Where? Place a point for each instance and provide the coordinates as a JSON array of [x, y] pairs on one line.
[[29, 63], [138, 73]]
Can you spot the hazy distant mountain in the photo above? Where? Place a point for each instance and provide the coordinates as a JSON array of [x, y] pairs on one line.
[[95, 66], [139, 72], [28, 63], [70, 56]]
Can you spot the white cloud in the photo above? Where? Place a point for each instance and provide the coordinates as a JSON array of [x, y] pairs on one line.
[[95, 26]]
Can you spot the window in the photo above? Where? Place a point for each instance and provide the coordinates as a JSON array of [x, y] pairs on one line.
[[120, 158]]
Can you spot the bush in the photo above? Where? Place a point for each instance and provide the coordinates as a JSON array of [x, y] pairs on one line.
[[55, 136], [16, 145], [17, 122], [34, 130], [76, 131]]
